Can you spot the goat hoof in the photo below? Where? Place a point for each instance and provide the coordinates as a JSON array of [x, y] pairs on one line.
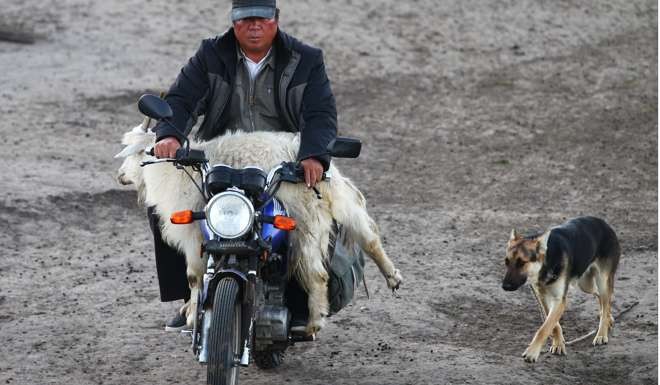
[[315, 325], [312, 329], [394, 280]]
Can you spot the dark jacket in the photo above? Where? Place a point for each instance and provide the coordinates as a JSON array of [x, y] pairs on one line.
[[304, 100]]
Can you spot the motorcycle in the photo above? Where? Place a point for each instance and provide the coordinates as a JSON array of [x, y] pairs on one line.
[[243, 310]]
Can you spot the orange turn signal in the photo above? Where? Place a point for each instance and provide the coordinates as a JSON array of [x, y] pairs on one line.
[[182, 217], [284, 223]]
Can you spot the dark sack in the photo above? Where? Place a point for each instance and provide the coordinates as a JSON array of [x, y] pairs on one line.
[[346, 273]]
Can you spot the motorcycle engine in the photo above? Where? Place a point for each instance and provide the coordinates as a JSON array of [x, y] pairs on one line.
[[271, 327]]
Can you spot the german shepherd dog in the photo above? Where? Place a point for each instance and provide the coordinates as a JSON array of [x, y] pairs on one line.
[[585, 251]]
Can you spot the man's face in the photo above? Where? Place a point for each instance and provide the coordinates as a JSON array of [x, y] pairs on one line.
[[255, 34]]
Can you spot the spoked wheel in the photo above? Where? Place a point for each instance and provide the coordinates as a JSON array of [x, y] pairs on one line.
[[225, 335], [268, 359]]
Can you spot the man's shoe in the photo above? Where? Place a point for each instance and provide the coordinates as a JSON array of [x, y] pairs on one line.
[[177, 323]]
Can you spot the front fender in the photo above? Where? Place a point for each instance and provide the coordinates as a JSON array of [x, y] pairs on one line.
[[238, 275]]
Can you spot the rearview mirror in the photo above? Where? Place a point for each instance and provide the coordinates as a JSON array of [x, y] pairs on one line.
[[345, 147], [154, 107]]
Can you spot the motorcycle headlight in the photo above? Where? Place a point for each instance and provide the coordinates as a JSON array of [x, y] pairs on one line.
[[229, 214]]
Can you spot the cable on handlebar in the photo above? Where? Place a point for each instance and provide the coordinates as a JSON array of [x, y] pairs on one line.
[[200, 189]]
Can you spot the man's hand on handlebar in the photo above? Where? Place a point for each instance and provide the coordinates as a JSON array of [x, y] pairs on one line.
[[313, 171], [166, 148]]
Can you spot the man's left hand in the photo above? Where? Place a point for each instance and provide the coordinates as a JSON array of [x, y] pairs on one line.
[[313, 171]]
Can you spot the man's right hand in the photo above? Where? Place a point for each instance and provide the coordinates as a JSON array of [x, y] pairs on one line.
[[166, 148]]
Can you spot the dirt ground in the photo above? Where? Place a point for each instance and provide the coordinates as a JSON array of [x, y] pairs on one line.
[[476, 117]]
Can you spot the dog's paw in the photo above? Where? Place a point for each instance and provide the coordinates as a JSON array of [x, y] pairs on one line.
[[558, 348], [600, 340], [531, 354], [394, 280]]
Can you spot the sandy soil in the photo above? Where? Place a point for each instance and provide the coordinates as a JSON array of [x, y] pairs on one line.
[[476, 117]]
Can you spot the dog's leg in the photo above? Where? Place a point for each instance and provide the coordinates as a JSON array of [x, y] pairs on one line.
[[605, 288], [587, 282], [557, 304], [558, 342]]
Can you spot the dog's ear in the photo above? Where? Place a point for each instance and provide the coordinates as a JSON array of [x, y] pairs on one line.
[[543, 241], [514, 235]]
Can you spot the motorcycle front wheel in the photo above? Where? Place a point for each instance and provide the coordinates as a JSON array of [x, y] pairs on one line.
[[225, 335]]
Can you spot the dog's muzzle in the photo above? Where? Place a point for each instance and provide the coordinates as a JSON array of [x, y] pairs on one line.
[[513, 280], [508, 286]]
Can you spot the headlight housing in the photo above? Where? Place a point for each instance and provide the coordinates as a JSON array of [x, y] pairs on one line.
[[229, 214]]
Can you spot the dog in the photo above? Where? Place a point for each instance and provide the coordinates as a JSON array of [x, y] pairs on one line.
[[584, 250]]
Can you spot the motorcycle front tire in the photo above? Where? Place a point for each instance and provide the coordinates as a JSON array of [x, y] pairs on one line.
[[225, 335]]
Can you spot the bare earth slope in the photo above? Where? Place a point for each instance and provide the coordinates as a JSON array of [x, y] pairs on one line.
[[476, 117]]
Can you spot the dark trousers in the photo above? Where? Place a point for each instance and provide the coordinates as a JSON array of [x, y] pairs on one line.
[[170, 265]]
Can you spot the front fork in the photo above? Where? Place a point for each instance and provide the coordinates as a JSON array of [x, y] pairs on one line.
[[249, 308], [203, 316], [204, 310]]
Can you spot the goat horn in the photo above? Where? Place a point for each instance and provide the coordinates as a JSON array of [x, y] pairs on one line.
[[146, 123], [129, 150]]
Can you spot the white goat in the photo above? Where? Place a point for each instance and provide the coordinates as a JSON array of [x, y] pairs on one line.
[[170, 190]]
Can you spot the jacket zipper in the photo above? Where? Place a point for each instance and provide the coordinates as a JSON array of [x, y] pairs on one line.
[[252, 101]]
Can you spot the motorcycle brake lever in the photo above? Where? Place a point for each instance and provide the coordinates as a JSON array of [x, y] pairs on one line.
[[161, 160]]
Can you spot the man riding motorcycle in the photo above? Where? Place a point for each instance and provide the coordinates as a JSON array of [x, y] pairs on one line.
[[252, 77]]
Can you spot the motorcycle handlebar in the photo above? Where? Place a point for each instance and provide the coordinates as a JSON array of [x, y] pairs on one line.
[[184, 156], [292, 172], [189, 157]]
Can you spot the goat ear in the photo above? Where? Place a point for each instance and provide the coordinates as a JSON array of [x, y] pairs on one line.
[[514, 235], [543, 241], [129, 150]]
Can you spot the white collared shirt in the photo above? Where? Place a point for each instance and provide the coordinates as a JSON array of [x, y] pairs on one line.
[[254, 68]]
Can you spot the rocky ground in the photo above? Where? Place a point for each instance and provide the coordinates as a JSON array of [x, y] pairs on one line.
[[476, 117]]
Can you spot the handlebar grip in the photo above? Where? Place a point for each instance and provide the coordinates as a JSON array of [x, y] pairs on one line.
[[150, 151], [190, 157]]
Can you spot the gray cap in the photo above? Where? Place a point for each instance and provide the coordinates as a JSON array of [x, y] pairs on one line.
[[241, 9]]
